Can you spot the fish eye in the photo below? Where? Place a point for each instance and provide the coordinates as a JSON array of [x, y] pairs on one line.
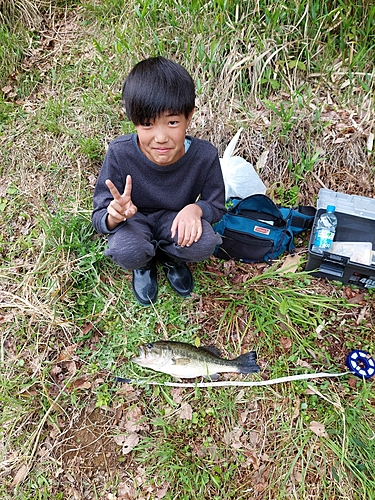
[[149, 346]]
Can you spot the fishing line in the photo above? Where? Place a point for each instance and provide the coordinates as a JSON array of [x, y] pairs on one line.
[[233, 383], [360, 363]]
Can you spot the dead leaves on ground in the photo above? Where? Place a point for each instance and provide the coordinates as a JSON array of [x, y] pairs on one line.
[[318, 429]]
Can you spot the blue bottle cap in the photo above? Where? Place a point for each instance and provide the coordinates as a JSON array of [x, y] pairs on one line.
[[331, 208], [361, 364]]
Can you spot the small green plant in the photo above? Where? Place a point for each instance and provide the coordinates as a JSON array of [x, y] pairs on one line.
[[304, 166], [91, 147], [285, 113]]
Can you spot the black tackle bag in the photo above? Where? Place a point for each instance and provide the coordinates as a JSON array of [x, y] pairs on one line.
[[255, 229]]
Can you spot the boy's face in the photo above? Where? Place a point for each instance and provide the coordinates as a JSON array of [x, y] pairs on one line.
[[162, 140]]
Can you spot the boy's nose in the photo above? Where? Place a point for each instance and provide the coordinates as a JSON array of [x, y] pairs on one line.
[[161, 135]]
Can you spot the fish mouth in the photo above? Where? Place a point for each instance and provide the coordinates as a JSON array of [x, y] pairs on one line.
[[140, 356], [142, 353], [145, 353]]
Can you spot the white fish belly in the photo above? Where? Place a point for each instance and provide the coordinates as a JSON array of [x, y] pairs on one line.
[[193, 370]]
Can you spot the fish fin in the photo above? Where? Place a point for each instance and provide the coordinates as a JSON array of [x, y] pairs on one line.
[[181, 361], [211, 349], [247, 362], [214, 377]]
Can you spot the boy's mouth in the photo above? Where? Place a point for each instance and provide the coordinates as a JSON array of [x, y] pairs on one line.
[[162, 150]]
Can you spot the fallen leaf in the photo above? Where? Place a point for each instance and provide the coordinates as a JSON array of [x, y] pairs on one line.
[[357, 299], [186, 412], [312, 353], [296, 409], [318, 429], [55, 373], [251, 459], [87, 328], [260, 486], [302, 363], [20, 475], [361, 315], [140, 478], [92, 180], [352, 382], [262, 161], [26, 393], [177, 394], [133, 419], [7, 318], [297, 476], [238, 278], [7, 89], [125, 491], [81, 383], [10, 347], [260, 478], [234, 438], [214, 270], [120, 439], [254, 438], [243, 416], [229, 267], [161, 492], [66, 354], [69, 368], [290, 264], [309, 391], [130, 442], [286, 343], [54, 432]]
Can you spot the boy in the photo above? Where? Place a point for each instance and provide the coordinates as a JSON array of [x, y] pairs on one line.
[[159, 191]]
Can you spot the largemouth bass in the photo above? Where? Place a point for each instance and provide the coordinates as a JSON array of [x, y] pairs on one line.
[[182, 360]]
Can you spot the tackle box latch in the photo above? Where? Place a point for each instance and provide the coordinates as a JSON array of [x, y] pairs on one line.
[[333, 264]]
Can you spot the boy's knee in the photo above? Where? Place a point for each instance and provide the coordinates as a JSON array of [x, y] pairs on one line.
[[129, 256], [200, 250], [209, 242]]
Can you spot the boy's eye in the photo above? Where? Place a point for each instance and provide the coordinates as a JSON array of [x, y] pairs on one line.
[[146, 124], [173, 122]]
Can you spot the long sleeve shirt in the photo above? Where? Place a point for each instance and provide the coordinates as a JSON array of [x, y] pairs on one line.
[[195, 178]]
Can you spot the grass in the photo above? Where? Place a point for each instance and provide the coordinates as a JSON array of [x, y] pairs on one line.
[[300, 79]]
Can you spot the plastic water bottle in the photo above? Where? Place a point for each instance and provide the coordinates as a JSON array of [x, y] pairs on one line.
[[325, 230]]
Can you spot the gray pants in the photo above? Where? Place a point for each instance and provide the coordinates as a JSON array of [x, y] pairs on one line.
[[136, 241]]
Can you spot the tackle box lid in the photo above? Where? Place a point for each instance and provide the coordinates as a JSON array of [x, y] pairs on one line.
[[351, 204]]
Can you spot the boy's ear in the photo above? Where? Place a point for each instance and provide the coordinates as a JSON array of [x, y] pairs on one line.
[[190, 116]]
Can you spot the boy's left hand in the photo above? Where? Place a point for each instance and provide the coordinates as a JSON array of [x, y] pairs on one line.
[[188, 225]]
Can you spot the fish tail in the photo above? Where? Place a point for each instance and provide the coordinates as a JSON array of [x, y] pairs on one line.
[[247, 363]]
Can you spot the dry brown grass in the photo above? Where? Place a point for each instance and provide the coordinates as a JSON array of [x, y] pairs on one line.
[[25, 12]]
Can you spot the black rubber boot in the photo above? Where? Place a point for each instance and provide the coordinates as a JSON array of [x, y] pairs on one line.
[[178, 274], [145, 284]]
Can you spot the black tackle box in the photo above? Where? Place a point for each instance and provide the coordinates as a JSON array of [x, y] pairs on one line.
[[351, 259]]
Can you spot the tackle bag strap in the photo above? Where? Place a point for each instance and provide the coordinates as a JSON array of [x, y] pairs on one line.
[[256, 204], [302, 217]]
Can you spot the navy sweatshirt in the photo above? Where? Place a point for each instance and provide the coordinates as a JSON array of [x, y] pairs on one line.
[[195, 177]]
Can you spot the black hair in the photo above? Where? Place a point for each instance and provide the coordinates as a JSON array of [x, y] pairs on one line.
[[157, 85]]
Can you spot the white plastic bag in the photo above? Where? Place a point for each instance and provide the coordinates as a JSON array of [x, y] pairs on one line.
[[240, 177]]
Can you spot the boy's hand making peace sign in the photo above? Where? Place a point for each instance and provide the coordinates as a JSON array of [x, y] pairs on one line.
[[121, 207]]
